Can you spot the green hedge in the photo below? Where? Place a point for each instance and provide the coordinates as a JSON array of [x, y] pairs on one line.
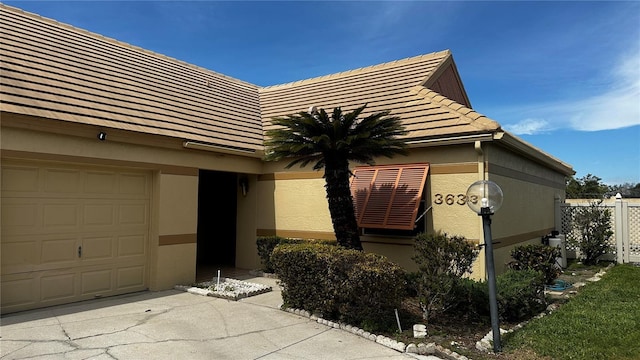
[[266, 244], [358, 288], [520, 295], [537, 257]]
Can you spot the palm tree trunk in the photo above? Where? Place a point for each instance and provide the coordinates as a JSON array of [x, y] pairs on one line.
[[341, 208]]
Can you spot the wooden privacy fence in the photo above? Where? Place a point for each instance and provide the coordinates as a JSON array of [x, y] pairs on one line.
[[625, 224]]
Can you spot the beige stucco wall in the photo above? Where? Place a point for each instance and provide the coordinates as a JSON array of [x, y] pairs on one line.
[[528, 211], [177, 220], [527, 214], [250, 209], [175, 264], [299, 206], [59, 139], [178, 212], [306, 205]]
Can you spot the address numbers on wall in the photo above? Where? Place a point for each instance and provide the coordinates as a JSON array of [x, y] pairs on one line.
[[453, 199]]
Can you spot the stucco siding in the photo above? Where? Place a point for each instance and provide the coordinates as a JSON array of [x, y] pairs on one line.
[[527, 213], [175, 264], [252, 207]]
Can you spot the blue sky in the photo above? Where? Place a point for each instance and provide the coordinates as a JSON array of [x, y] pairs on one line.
[[564, 76]]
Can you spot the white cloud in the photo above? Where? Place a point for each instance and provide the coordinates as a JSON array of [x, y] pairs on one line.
[[529, 127], [616, 106]]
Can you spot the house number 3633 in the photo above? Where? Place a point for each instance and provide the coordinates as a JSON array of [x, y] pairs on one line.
[[453, 199]]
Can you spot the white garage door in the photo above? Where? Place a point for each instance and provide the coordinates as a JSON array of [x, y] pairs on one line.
[[71, 233]]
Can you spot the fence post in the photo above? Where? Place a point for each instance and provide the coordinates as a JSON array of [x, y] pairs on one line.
[[619, 228], [626, 241]]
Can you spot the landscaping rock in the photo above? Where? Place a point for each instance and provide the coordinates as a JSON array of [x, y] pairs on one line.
[[400, 346], [412, 348], [426, 349]]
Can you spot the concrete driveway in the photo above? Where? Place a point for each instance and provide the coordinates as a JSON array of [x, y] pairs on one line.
[[178, 325]]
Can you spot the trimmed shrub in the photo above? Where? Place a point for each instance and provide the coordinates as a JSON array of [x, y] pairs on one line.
[[537, 257], [301, 269], [442, 262], [374, 288], [471, 299], [341, 284], [265, 245], [520, 294]]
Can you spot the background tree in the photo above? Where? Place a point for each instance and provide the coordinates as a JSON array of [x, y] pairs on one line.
[[627, 190], [586, 187], [331, 142]]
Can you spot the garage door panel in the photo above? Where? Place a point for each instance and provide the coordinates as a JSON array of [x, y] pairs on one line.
[[133, 214], [58, 215], [95, 214], [57, 287], [20, 179], [97, 282], [71, 232], [18, 216], [130, 277], [19, 290], [100, 183], [63, 181], [131, 245], [60, 251], [18, 254], [98, 248], [134, 184]]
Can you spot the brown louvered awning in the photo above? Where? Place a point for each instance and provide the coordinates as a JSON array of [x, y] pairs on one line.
[[388, 196]]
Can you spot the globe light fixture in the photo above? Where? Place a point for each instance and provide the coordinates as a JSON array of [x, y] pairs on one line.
[[485, 198], [485, 195]]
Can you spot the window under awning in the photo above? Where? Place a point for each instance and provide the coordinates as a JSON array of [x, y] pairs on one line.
[[388, 196]]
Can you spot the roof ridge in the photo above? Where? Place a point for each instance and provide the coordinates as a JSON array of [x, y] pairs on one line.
[[474, 118], [442, 53], [122, 43]]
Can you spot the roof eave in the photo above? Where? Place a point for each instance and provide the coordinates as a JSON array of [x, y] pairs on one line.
[[246, 152], [449, 140], [522, 147]]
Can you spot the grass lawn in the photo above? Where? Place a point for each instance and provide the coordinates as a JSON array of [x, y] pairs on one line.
[[601, 322]]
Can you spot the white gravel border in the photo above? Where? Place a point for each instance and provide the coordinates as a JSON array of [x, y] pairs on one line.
[[230, 289]]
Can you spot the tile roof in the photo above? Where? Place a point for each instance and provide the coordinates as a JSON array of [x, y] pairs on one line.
[[395, 86], [52, 70], [56, 71]]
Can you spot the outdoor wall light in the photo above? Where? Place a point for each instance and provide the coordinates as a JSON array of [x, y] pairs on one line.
[[102, 136], [485, 198], [243, 182]]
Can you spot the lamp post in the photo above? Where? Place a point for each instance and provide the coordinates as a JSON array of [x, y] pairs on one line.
[[485, 198]]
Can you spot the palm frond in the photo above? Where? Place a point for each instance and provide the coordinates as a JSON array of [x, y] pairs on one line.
[[305, 138]]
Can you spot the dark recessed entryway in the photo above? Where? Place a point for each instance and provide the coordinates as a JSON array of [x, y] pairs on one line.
[[217, 203]]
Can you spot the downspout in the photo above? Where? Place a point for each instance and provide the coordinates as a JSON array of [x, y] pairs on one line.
[[477, 145]]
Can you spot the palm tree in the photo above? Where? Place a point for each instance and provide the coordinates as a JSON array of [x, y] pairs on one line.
[[331, 142]]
